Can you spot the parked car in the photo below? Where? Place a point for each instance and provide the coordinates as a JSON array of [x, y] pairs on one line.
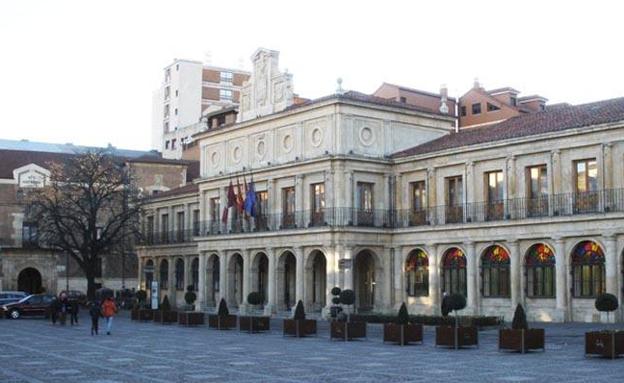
[[75, 295], [32, 305], [11, 296]]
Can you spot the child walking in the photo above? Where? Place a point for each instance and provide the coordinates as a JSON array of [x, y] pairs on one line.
[[95, 312]]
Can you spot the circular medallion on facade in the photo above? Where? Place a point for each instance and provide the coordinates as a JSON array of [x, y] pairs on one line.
[[366, 136], [236, 154], [214, 159], [317, 136], [260, 149], [287, 143]]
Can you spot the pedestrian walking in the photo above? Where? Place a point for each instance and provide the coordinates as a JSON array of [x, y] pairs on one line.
[[73, 309], [64, 308], [95, 312], [109, 309], [54, 309]]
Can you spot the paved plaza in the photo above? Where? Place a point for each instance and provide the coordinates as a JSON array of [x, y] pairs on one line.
[[32, 350]]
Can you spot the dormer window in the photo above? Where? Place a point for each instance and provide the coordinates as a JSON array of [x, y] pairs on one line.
[[492, 107], [513, 101]]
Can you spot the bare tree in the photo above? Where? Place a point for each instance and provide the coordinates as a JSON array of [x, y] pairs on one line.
[[89, 209]]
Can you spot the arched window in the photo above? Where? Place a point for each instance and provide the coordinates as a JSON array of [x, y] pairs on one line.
[[495, 272], [195, 273], [179, 274], [588, 270], [417, 274], [454, 272], [164, 274], [540, 272]]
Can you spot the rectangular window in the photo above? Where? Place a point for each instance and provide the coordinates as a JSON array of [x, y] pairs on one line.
[[226, 77], [454, 199], [288, 207], [586, 198], [215, 211], [462, 110], [180, 226], [167, 144], [476, 108], [167, 92], [225, 94], [403, 100], [166, 111], [418, 215], [164, 228], [196, 222], [495, 206], [317, 204], [173, 144], [167, 75], [537, 190], [492, 107], [365, 204], [262, 209], [150, 230], [29, 235], [513, 101]]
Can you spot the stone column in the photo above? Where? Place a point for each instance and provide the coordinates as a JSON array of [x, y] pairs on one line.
[[201, 288], [387, 281], [223, 205], [434, 278], [469, 184], [472, 273], [556, 161], [246, 278], [171, 290], [399, 289], [187, 271], [329, 190], [299, 206], [515, 273], [347, 213], [386, 193], [348, 271], [431, 195], [299, 290], [561, 277], [607, 165], [223, 277], [270, 307], [187, 221], [510, 182], [172, 219], [140, 276], [611, 264]]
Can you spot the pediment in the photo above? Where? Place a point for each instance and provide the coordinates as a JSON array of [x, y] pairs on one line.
[[31, 176]]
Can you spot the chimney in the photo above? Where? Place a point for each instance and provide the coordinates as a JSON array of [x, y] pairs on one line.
[[443, 98], [476, 84]]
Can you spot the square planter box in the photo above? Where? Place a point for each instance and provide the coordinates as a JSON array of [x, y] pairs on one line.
[[165, 317], [466, 336], [299, 328], [608, 344], [403, 334], [254, 323], [134, 314], [222, 322], [521, 340], [191, 318], [146, 315], [347, 330]]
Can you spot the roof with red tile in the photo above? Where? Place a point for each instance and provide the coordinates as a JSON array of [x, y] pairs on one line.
[[550, 120]]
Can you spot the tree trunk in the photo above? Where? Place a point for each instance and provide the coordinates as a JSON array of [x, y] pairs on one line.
[[90, 286]]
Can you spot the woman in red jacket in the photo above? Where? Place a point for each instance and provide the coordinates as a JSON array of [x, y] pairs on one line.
[[109, 309]]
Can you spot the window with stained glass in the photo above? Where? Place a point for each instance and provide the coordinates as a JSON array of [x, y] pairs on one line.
[[417, 274], [495, 272], [454, 272], [588, 270], [540, 272]]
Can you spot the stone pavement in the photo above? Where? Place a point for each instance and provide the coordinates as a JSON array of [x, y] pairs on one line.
[[32, 350]]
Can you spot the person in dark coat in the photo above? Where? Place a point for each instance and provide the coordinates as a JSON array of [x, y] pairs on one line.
[[73, 308], [63, 308], [95, 312], [54, 309]]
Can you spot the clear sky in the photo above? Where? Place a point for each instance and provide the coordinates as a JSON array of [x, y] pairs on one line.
[[84, 71]]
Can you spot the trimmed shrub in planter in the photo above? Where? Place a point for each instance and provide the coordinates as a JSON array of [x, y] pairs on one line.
[[254, 323], [222, 320], [335, 309], [520, 337], [299, 326], [165, 315], [455, 336], [606, 343], [403, 332], [190, 317], [347, 329]]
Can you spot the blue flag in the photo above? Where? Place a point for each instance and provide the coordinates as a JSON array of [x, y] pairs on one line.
[[250, 200]]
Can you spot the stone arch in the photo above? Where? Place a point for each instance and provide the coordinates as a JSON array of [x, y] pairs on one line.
[[539, 271], [588, 269], [315, 272], [453, 275], [260, 275], [495, 264], [235, 280], [367, 271], [29, 281], [286, 280], [213, 277], [416, 272]]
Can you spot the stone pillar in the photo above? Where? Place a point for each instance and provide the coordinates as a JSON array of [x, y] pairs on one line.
[[561, 277], [515, 273], [434, 278], [387, 281], [299, 208], [510, 186], [223, 205], [556, 161], [611, 264], [299, 290], [223, 277], [246, 278], [607, 165], [472, 285], [399, 289], [187, 221], [187, 271], [171, 290], [201, 288], [348, 271], [329, 190], [469, 184], [172, 219], [431, 195], [140, 276], [386, 193], [270, 307]]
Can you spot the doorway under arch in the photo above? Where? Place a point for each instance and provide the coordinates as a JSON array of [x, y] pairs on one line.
[[235, 280], [29, 281], [364, 280], [286, 281], [260, 276], [316, 281], [213, 277]]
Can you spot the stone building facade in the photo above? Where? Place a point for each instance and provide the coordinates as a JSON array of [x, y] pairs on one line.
[[25, 263], [385, 198]]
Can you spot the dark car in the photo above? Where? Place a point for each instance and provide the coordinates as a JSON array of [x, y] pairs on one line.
[[11, 296], [32, 305]]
